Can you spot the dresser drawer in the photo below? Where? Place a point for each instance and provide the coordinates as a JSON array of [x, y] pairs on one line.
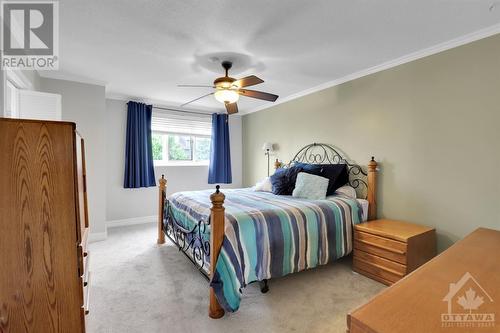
[[85, 239], [83, 261], [376, 270], [381, 252], [381, 242], [380, 246], [388, 265], [86, 294], [86, 266]]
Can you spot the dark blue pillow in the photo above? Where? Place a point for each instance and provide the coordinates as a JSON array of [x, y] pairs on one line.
[[336, 173], [283, 180], [279, 181], [314, 169]]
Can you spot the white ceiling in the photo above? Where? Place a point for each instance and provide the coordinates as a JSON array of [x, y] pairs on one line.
[[143, 49]]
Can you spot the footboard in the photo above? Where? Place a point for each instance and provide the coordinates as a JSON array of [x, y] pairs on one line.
[[193, 241]]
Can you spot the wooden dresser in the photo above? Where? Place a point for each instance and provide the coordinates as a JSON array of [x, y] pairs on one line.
[[387, 250], [457, 291], [44, 278]]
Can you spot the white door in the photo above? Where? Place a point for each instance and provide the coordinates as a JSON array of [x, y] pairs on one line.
[[38, 105], [11, 99]]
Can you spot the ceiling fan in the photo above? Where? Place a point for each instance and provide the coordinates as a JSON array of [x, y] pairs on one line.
[[228, 89]]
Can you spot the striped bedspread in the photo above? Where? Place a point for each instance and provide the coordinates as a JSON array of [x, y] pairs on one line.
[[268, 236]]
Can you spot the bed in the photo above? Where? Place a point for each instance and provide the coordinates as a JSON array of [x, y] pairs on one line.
[[243, 236]]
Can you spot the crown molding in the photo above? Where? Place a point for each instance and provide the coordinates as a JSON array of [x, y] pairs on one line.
[[19, 78], [156, 102], [465, 39], [57, 75]]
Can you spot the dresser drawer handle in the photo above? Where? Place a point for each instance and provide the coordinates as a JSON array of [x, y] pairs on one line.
[[85, 254], [382, 247]]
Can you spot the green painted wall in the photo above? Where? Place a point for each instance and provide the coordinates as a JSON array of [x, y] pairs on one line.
[[433, 124]]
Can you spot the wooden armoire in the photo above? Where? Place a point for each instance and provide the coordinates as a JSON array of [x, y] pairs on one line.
[[44, 278]]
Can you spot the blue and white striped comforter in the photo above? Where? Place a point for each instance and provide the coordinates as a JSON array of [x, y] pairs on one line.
[[268, 236]]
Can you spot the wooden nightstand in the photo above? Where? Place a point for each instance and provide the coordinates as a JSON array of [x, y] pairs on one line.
[[387, 250]]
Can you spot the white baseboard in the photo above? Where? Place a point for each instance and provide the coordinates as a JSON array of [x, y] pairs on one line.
[[100, 236], [131, 221], [97, 236]]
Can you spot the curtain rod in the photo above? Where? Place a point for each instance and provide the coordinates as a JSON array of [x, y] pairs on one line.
[[179, 110]]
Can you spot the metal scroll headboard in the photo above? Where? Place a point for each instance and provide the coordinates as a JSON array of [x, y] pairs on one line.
[[321, 153]]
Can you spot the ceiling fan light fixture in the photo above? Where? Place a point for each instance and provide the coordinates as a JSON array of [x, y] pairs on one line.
[[226, 95], [228, 89]]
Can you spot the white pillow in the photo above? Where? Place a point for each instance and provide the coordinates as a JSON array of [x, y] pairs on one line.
[[264, 185], [310, 186], [347, 190]]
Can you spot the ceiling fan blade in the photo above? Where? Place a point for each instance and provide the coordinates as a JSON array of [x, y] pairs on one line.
[[194, 100], [231, 108], [193, 86], [248, 81], [258, 94]]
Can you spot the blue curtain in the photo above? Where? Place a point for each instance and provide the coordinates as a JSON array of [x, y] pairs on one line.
[[139, 170], [219, 170]]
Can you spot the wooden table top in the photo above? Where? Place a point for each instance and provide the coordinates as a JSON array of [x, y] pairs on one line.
[[465, 279], [397, 230]]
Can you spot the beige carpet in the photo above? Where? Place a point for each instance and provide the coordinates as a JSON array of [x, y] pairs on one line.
[[140, 287]]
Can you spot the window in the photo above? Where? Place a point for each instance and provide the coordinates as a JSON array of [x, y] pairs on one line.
[[180, 139]]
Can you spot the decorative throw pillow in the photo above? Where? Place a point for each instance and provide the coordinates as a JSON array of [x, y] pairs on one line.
[[310, 186], [264, 185], [347, 190], [283, 180], [337, 173]]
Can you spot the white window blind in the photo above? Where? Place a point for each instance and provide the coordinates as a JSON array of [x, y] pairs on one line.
[[172, 122]]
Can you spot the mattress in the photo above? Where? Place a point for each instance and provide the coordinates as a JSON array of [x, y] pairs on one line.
[[364, 207]]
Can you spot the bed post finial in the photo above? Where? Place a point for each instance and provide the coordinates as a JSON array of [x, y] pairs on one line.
[[277, 164], [372, 189], [217, 218], [161, 202]]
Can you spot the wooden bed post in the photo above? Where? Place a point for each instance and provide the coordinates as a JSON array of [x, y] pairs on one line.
[[217, 218], [277, 164], [161, 201], [372, 189]]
